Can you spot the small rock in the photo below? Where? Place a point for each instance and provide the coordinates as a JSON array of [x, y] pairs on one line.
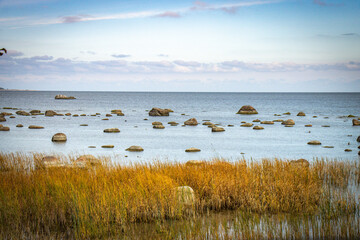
[[328, 146], [59, 137], [12, 116], [92, 147], [50, 113], [314, 116], [75, 115], [207, 123], [158, 126], [314, 142], [358, 139], [267, 122], [278, 120], [230, 125], [134, 149], [19, 125], [287, 113], [84, 125], [289, 126], [301, 114], [348, 150], [105, 119], [63, 97], [35, 127], [111, 130], [34, 112], [325, 126], [355, 122], [156, 112], [246, 125], [82, 115], [256, 120], [191, 122], [217, 129], [156, 123], [22, 113], [308, 125], [108, 115], [4, 128], [350, 116], [67, 114], [258, 128], [192, 150], [145, 119], [288, 122], [247, 109], [107, 146]]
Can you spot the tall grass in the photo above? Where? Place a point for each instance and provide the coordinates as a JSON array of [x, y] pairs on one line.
[[106, 200]]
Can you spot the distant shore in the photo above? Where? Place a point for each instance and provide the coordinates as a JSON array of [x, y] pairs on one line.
[[17, 90]]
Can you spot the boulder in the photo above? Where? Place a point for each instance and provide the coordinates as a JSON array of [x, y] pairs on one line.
[[247, 109], [355, 122], [308, 125], [247, 125], [111, 130], [288, 122], [67, 114], [35, 112], [191, 122], [35, 127], [348, 150], [60, 96], [87, 161], [300, 163], [59, 137], [257, 120], [19, 125], [50, 162], [4, 129], [108, 115], [134, 149], [50, 113], [158, 126], [258, 128], [157, 112], [208, 123], [358, 139], [301, 114], [314, 142], [267, 122], [107, 146], [2, 119], [217, 129], [156, 123], [118, 112], [22, 113], [192, 150]]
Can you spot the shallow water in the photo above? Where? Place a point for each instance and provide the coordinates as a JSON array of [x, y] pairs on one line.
[[171, 142]]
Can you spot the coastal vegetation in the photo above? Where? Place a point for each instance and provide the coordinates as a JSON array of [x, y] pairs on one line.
[[269, 198]]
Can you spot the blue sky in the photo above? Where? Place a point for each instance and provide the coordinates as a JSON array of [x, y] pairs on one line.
[[231, 45]]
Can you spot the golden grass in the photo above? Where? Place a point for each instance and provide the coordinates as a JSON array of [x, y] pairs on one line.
[[95, 202]]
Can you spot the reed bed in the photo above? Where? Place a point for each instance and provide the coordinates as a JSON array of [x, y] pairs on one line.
[[110, 199]]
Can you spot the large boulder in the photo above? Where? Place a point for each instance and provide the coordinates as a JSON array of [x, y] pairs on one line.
[[87, 161], [49, 162], [191, 122], [247, 109], [157, 112], [300, 163], [111, 130], [355, 122], [134, 149], [185, 196], [50, 113], [61, 96], [59, 137], [288, 122]]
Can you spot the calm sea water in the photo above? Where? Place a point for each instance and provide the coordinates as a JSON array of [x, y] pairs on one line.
[[171, 142]]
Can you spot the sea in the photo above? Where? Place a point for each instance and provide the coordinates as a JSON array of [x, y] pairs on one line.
[[169, 144]]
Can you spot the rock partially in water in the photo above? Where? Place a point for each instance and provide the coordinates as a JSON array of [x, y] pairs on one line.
[[325, 125], [348, 150], [328, 146], [108, 115], [258, 128], [2, 119], [246, 125], [288, 122], [156, 123], [159, 126], [67, 114], [111, 130], [35, 112], [59, 137], [12, 116], [50, 113], [84, 125], [217, 129], [118, 112], [278, 120], [134, 149], [301, 114], [257, 120], [355, 122], [267, 122], [191, 122], [61, 96], [19, 125], [247, 109], [192, 150], [22, 113], [314, 142], [308, 125], [105, 119], [287, 113], [35, 127], [358, 139], [157, 112], [208, 123], [4, 128], [107, 146]]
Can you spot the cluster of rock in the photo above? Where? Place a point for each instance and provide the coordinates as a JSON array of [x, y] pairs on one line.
[[61, 96]]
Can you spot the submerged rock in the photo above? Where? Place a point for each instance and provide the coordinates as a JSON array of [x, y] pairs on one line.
[[247, 109], [134, 149], [191, 122], [157, 112], [314, 142], [59, 137], [192, 150]]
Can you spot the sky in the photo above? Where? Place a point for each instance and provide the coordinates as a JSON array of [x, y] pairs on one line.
[[168, 45]]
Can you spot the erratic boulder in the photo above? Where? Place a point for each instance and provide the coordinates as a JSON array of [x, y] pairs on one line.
[[191, 122], [247, 109], [157, 112], [59, 137]]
